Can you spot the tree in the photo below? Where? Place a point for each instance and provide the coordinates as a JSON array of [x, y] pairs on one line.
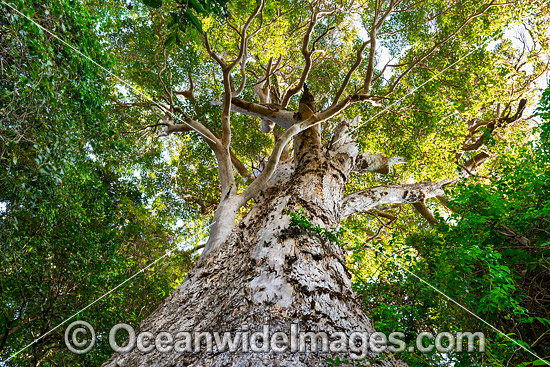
[[74, 221], [285, 123], [229, 72]]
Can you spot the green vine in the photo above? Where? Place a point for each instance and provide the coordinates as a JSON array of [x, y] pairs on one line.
[[301, 220]]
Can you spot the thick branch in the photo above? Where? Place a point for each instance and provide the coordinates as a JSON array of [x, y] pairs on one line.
[[376, 163], [370, 67], [343, 142], [376, 24], [425, 212], [408, 194], [243, 51], [358, 59], [226, 71], [307, 58], [471, 164], [225, 167], [240, 167], [274, 113], [169, 128], [260, 182]]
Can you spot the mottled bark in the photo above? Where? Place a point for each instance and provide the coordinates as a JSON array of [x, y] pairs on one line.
[[364, 200], [266, 272]]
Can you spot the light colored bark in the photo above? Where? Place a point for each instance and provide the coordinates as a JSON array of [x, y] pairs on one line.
[[268, 273], [272, 113], [408, 194], [376, 163], [345, 146], [223, 223]]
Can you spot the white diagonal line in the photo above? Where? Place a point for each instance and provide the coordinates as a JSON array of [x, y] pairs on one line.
[[400, 266], [134, 88], [169, 252]]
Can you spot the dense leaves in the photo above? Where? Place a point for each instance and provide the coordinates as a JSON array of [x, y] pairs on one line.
[[74, 221], [491, 254], [92, 188]]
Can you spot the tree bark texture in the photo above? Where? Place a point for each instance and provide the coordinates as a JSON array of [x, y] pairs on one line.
[[267, 273]]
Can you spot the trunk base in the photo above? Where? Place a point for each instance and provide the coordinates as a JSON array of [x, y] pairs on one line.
[[266, 273]]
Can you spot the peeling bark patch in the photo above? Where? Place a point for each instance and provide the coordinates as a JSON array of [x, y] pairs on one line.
[[367, 199], [264, 273], [272, 289]]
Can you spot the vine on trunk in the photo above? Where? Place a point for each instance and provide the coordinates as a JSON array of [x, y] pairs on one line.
[[300, 220]]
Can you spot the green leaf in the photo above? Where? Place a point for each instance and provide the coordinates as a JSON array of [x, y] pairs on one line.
[[153, 3], [193, 20], [197, 6], [170, 39]]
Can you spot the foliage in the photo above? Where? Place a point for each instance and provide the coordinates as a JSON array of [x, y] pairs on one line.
[[74, 220], [490, 255], [89, 194], [301, 221], [185, 14]]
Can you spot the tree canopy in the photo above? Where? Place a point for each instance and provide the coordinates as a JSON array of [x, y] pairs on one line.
[[125, 125]]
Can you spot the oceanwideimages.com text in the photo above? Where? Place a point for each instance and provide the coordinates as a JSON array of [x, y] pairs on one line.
[[80, 338]]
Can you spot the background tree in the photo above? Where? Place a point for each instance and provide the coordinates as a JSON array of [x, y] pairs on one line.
[[74, 219], [490, 254]]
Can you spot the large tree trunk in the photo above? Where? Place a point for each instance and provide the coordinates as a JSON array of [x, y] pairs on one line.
[[267, 273]]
